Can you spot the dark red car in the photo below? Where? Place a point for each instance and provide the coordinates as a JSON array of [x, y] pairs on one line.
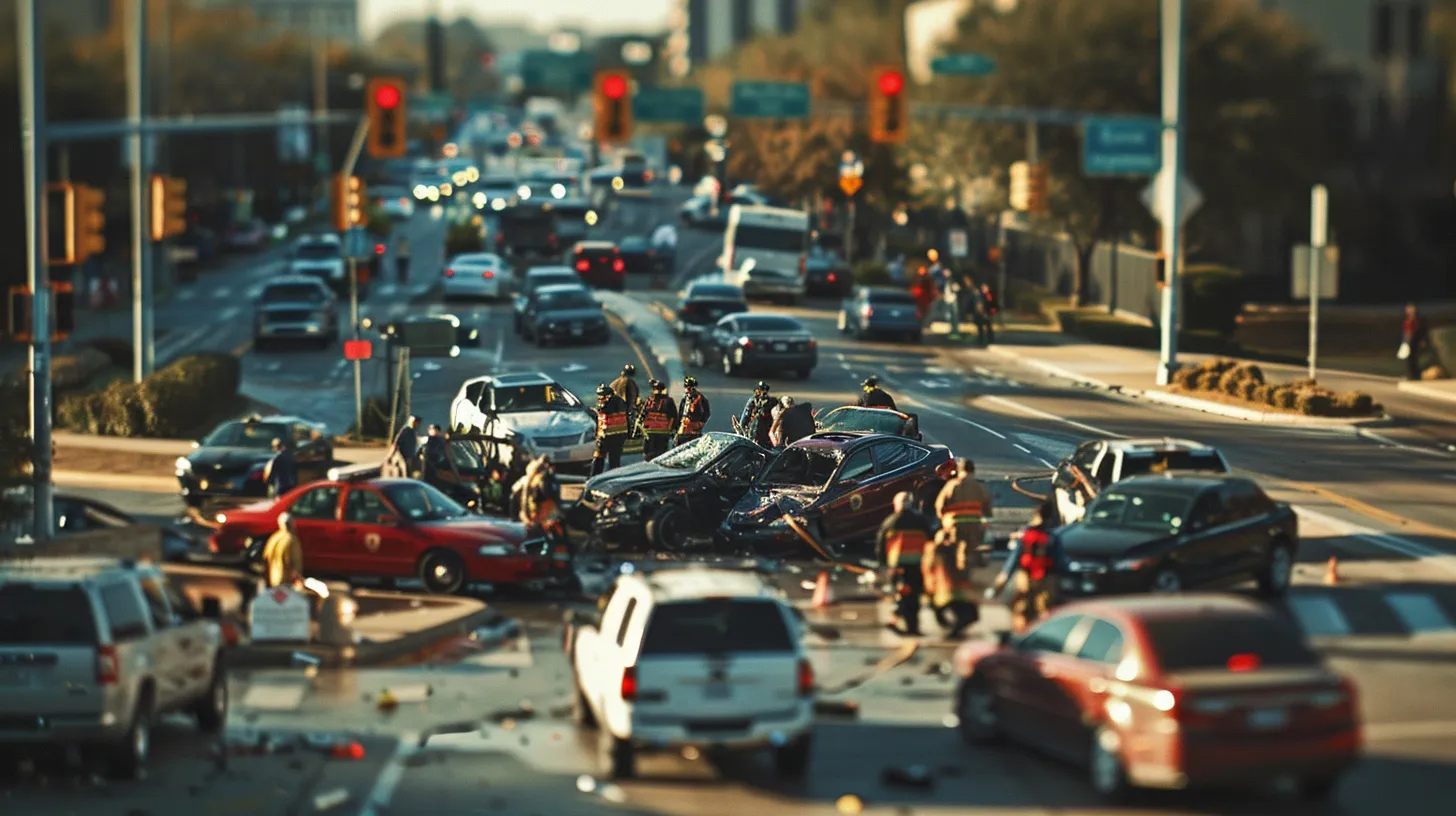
[[1169, 691], [395, 529]]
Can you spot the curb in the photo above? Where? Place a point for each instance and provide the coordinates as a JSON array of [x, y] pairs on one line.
[[648, 329], [362, 654], [115, 481], [1338, 425], [1421, 389]]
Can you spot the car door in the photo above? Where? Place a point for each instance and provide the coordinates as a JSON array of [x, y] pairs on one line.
[[188, 673], [1248, 528], [1026, 688], [372, 540], [850, 510], [308, 452], [316, 523], [723, 484], [130, 622], [1086, 679], [1210, 546], [898, 467]]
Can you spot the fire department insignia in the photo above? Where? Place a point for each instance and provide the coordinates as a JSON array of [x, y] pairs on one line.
[[371, 542], [855, 501]]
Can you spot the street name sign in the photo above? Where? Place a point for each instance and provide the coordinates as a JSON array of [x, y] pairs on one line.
[[770, 100], [966, 65], [280, 614], [1122, 146], [678, 106]]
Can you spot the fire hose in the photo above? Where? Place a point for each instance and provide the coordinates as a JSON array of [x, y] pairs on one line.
[[809, 539]]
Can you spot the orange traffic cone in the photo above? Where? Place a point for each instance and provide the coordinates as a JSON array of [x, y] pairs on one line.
[[1332, 572], [823, 592]]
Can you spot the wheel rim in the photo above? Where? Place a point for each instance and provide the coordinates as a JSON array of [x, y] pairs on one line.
[[1106, 771], [141, 741], [981, 710], [443, 574], [667, 529], [1167, 581], [1281, 567]]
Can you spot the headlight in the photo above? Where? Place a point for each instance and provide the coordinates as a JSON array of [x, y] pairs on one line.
[[184, 465], [494, 551], [1132, 564], [551, 326]]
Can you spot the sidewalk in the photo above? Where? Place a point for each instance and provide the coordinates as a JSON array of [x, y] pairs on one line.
[[1444, 390]]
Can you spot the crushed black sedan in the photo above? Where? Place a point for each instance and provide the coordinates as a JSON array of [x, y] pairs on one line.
[[677, 498]]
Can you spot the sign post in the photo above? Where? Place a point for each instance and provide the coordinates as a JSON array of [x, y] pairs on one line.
[[1319, 223], [1169, 180], [851, 179]]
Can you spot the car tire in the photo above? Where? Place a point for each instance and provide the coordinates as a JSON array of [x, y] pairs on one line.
[[129, 757], [1278, 572], [618, 757], [729, 370], [792, 759], [581, 714], [976, 715], [211, 709], [695, 358], [1166, 581], [442, 572], [1105, 769], [664, 529], [1318, 789]]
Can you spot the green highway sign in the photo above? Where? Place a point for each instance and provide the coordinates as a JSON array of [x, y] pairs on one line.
[[556, 71], [1122, 146], [679, 106], [967, 65], [770, 100]]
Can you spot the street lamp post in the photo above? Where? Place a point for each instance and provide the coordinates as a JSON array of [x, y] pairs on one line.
[[1169, 183]]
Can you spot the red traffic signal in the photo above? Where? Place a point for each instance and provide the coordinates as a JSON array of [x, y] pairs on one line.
[[358, 349], [892, 83], [614, 86], [387, 97]]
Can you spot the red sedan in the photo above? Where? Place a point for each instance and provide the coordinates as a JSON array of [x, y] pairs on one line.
[[394, 529], [1166, 692]]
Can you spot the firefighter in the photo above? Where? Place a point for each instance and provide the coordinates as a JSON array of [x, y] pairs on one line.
[[541, 497], [625, 386], [757, 417], [1031, 569], [903, 537], [611, 430], [964, 505], [874, 396], [659, 418], [946, 571], [693, 412]]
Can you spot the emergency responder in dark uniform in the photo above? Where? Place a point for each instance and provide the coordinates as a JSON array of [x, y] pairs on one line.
[[403, 459], [902, 541], [964, 505], [435, 457], [611, 430], [281, 472], [874, 396], [1031, 568], [757, 418], [659, 420], [625, 386], [693, 412]]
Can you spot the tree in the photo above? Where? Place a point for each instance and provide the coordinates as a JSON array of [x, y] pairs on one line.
[[15, 451], [466, 47], [1249, 116]]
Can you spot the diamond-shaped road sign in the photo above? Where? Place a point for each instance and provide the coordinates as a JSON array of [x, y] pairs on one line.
[[850, 184], [1190, 198]]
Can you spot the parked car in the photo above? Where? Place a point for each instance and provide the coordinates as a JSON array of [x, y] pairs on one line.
[[295, 309], [1103, 462], [1184, 691], [826, 273], [873, 310], [704, 302], [77, 514], [637, 255], [228, 463], [538, 277], [600, 265], [693, 656], [476, 275], [95, 652], [247, 236], [746, 343]]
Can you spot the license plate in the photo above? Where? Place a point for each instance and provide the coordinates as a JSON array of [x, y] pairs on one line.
[[718, 691], [781, 346], [14, 677], [1270, 718], [576, 330]]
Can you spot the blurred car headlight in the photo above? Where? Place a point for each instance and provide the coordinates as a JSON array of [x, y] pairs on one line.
[[184, 465]]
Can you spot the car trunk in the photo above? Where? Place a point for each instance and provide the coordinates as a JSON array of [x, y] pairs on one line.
[[1262, 703], [718, 665], [48, 653], [781, 344]]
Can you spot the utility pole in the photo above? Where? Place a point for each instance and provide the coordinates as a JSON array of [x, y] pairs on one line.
[[1170, 182], [1319, 228], [143, 352], [30, 47]]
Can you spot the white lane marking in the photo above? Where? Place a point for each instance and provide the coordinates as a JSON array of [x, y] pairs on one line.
[[1420, 613], [1045, 462], [1021, 448], [222, 292], [254, 291], [228, 314], [387, 290], [1385, 541], [389, 778], [1391, 732], [1047, 415], [275, 697], [1319, 616], [949, 415], [186, 294]]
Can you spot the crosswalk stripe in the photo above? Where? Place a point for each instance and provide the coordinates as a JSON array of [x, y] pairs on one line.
[[1319, 615], [1420, 613]]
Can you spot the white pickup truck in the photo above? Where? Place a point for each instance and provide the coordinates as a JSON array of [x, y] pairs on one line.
[[693, 656]]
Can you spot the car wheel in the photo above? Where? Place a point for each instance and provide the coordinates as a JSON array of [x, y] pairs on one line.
[[695, 357], [211, 710], [1104, 767], [1318, 789], [1166, 582], [666, 528], [917, 337], [442, 572], [976, 714], [727, 364], [618, 757], [1278, 570], [129, 760], [581, 713], [792, 759]]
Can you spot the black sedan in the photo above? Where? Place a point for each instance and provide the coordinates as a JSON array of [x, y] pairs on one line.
[[676, 499], [880, 311], [228, 463], [564, 314], [75, 514], [1167, 533], [535, 279], [704, 303], [827, 274], [744, 343], [600, 265], [637, 256]]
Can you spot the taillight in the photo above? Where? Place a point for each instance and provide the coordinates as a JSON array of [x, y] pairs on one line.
[[813, 344], [746, 343], [449, 273], [583, 266], [487, 274], [806, 678], [1244, 662], [647, 176], [619, 265], [865, 312], [629, 684], [108, 665], [379, 249], [833, 277]]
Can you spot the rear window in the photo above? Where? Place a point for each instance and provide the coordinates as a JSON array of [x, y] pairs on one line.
[[558, 279], [892, 297], [711, 311], [294, 293], [717, 627], [773, 239], [769, 324], [318, 252], [1142, 464], [33, 616], [1191, 644]]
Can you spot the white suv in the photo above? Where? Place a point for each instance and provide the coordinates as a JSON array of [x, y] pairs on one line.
[[693, 656]]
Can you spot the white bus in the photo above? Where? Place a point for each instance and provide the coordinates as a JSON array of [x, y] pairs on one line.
[[765, 250]]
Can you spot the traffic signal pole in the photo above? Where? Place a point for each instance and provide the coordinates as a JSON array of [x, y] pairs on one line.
[[33, 143], [143, 351], [1169, 183], [361, 133]]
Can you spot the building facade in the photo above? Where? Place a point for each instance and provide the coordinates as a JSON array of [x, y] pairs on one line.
[[704, 30]]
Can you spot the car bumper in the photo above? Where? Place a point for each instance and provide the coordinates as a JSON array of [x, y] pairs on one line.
[[782, 361], [568, 332], [472, 286], [904, 324], [761, 731], [1083, 584], [1248, 760], [577, 453], [312, 330], [197, 489], [59, 729]]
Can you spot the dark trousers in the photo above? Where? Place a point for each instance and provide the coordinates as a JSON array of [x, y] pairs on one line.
[[654, 445], [1413, 363], [909, 586], [985, 332], [609, 454], [956, 616]]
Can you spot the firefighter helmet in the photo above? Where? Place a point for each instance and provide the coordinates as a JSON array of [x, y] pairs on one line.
[[629, 370], [603, 391]]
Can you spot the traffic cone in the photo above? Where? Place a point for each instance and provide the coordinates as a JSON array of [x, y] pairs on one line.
[[823, 591], [1332, 572]]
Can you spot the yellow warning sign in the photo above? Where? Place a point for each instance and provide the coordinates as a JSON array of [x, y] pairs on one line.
[[850, 184]]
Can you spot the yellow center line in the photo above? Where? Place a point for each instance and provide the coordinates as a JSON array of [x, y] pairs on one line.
[[642, 357]]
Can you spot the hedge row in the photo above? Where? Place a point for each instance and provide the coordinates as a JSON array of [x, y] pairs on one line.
[[1246, 382], [172, 403]]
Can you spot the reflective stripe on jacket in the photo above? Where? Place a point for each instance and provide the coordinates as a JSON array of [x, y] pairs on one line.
[[1036, 559], [611, 424], [904, 547], [656, 419], [690, 423]]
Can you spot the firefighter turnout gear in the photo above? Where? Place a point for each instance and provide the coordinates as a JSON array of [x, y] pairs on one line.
[[964, 505], [659, 420], [625, 386], [541, 498], [945, 569], [903, 538], [611, 430], [693, 412], [1035, 578], [757, 418], [874, 396]]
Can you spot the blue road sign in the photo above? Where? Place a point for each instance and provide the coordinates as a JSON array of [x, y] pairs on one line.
[[682, 106], [770, 100], [555, 71], [1122, 146], [970, 65]]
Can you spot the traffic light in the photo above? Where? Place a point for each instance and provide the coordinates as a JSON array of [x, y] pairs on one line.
[[169, 207], [1037, 202], [385, 100], [613, 103], [60, 224], [63, 310], [89, 221], [348, 202], [17, 314], [889, 120], [18, 324]]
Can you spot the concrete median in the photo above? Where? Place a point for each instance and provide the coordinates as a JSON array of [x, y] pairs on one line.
[[647, 329]]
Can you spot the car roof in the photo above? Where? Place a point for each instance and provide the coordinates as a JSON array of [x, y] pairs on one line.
[[715, 290], [886, 291], [862, 408], [595, 245], [1155, 445], [546, 271], [1171, 607], [772, 315], [476, 257], [841, 440], [294, 280], [1183, 480], [320, 239], [560, 288], [274, 419], [67, 568], [697, 583], [514, 380]]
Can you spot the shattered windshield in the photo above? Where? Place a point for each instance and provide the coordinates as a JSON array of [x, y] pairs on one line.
[[801, 467], [696, 454]]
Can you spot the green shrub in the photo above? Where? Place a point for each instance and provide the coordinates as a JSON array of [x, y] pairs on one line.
[[72, 371], [1205, 380], [1186, 378], [1213, 297], [172, 402], [1284, 397], [1231, 381], [1248, 388], [1314, 403], [1261, 394], [871, 273], [1252, 372]]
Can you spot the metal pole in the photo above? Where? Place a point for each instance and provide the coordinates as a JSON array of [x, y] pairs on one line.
[[143, 353], [1033, 144], [33, 140], [1169, 182], [320, 77], [849, 234], [358, 364], [1319, 221], [1001, 271]]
